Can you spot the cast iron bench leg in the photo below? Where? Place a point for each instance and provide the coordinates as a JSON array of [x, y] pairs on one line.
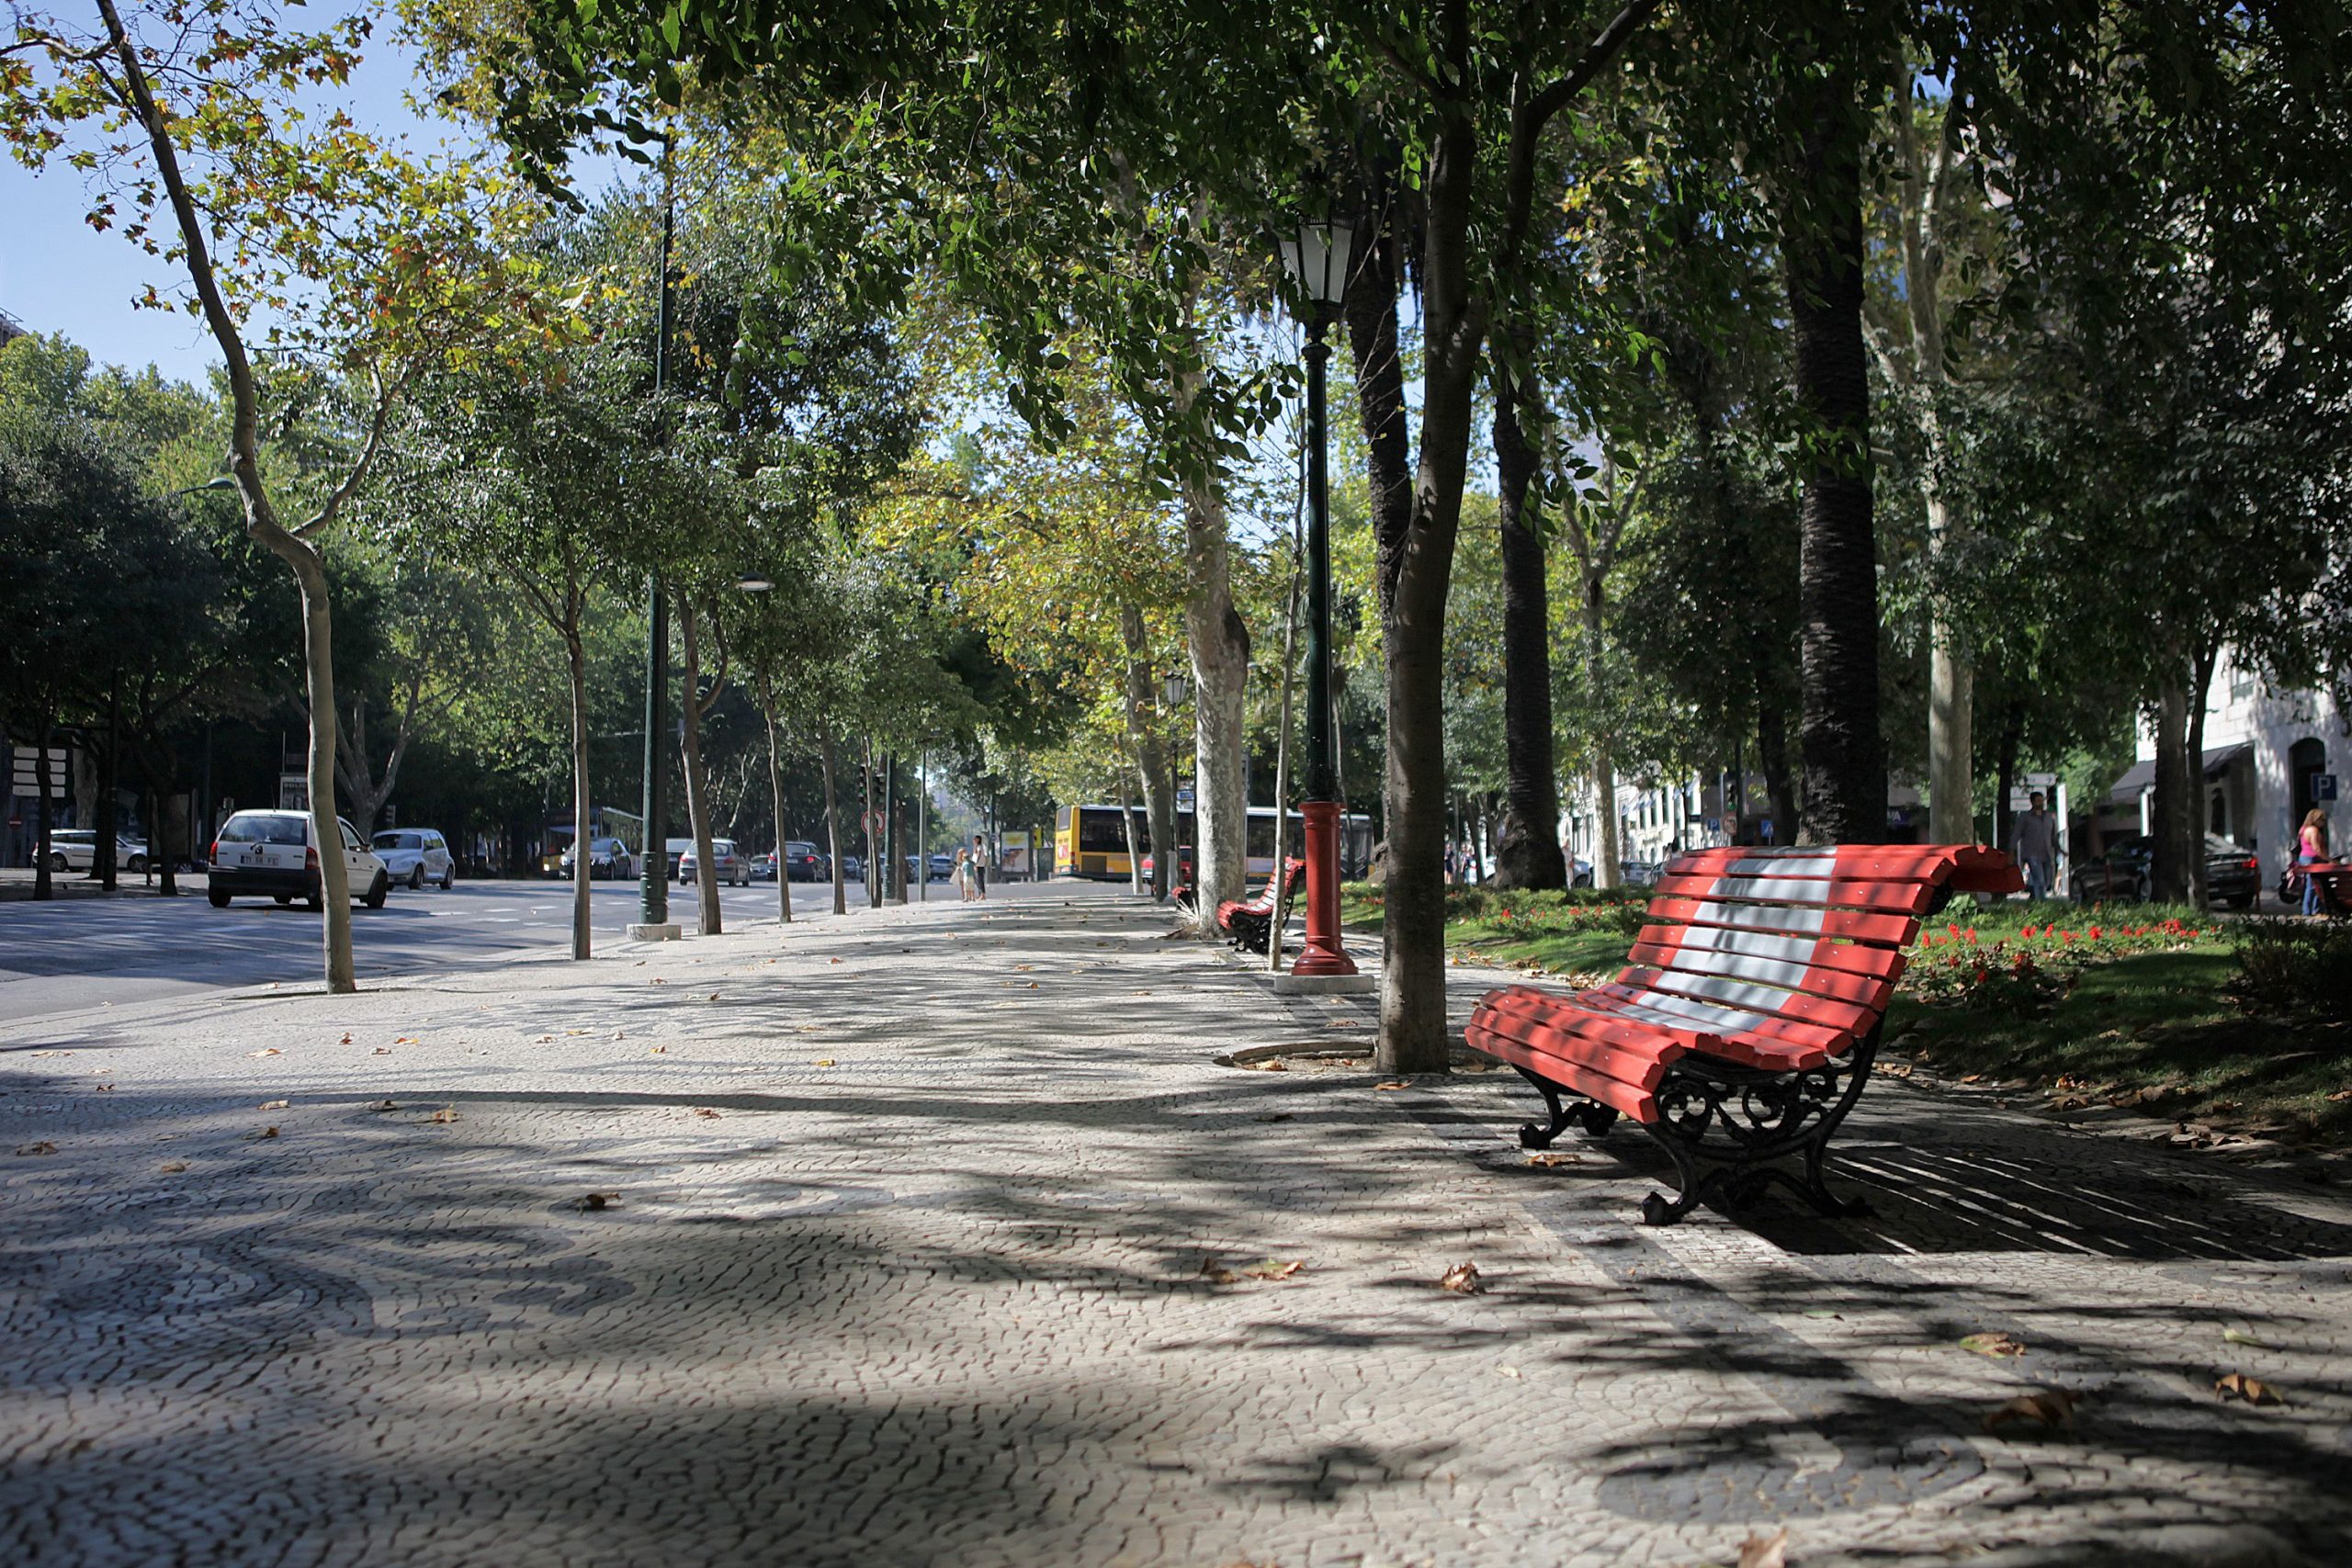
[[1813, 1105], [1592, 1116]]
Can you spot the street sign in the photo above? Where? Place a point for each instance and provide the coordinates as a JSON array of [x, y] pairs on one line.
[[2039, 781], [2323, 786], [1183, 800]]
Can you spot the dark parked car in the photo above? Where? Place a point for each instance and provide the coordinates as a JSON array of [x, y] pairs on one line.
[[804, 861], [852, 868], [2232, 872]]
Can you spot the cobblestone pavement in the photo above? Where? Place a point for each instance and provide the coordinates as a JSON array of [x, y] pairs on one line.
[[906, 1265]]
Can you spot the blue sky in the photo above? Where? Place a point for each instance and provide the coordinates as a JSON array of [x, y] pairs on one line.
[[57, 275]]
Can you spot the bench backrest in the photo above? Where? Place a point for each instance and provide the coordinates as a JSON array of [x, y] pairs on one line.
[[1810, 937]]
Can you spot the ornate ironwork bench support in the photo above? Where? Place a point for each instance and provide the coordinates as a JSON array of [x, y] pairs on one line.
[[1727, 1127]]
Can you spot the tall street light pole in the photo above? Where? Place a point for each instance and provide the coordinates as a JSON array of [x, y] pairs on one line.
[[1317, 260], [653, 923]]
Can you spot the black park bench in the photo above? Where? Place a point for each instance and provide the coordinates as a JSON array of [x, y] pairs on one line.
[[1250, 925], [1745, 1028]]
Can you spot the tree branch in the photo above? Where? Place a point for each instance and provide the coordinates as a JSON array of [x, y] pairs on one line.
[[367, 458]]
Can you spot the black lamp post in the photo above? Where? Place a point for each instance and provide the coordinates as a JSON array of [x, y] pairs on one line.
[[1317, 259], [653, 868]]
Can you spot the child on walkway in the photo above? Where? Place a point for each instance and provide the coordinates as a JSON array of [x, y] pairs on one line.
[[963, 878]]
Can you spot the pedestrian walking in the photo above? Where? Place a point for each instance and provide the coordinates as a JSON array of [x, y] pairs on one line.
[[2035, 841], [2310, 849], [979, 863], [965, 876]]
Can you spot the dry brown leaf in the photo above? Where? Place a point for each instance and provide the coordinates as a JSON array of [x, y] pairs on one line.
[[1271, 1269], [1393, 1083], [594, 1201], [833, 961], [345, 1041], [713, 996], [265, 1132], [1271, 1066], [403, 1039], [543, 1039], [657, 1050], [1032, 985], [271, 1105], [49, 1053], [105, 1088], [705, 1111], [383, 1051], [2254, 1391], [266, 1051], [1022, 969], [173, 1166], [1463, 1278], [1994, 1345], [41, 1148], [2052, 1408], [1217, 1274], [443, 1117], [1549, 1159], [1766, 1550], [826, 1062]]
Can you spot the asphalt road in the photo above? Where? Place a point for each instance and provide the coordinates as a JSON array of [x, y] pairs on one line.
[[71, 955]]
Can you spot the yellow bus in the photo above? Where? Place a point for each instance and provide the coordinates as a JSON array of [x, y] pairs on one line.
[[1092, 841]]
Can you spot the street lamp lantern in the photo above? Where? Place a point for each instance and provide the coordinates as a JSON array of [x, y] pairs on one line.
[[1316, 258], [1175, 686]]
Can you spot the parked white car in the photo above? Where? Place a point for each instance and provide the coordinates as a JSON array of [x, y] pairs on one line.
[[271, 854], [417, 856], [73, 848]]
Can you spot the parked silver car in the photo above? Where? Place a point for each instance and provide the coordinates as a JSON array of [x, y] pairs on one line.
[[417, 856], [729, 865]]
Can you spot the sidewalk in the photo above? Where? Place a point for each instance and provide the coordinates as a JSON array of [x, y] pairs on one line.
[[919, 1237]]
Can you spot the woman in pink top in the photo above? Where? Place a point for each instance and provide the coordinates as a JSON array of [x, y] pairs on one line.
[[2311, 848]]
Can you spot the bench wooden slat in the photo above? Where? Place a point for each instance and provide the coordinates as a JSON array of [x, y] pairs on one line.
[[1854, 958], [1795, 919], [1809, 980], [1732, 1027], [1845, 1017], [1638, 1103], [1895, 898], [1618, 1050]]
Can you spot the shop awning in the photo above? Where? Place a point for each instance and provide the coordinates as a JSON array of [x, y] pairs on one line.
[[2143, 773]]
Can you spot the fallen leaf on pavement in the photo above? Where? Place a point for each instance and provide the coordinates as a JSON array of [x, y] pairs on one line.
[[1995, 1345], [1217, 1275], [826, 1062], [1393, 1083], [265, 1132], [271, 1105], [383, 1105], [1462, 1277], [617, 1034], [345, 1041], [1271, 1269], [105, 1088], [2237, 1385], [1508, 1371], [1032, 985], [2240, 1337], [657, 1050], [2050, 1408], [443, 1117], [42, 1148], [833, 961], [599, 1201], [1548, 1160], [1272, 1065], [705, 1111], [713, 996], [266, 1051], [382, 1051], [173, 1166], [403, 1039], [1766, 1550], [1022, 969], [543, 1039], [49, 1053]]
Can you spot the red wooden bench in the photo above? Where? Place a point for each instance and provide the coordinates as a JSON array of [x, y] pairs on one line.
[[1250, 925], [1746, 1024]]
